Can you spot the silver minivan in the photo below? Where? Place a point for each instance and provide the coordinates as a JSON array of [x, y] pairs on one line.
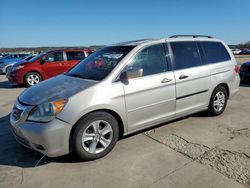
[[124, 88]]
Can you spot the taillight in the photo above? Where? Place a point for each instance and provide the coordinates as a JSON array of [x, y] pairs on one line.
[[236, 68]]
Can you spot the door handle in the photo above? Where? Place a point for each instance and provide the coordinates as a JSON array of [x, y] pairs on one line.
[[183, 77], [165, 80]]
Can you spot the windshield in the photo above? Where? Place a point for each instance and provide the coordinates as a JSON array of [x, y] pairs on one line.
[[37, 57], [28, 58], [99, 64]]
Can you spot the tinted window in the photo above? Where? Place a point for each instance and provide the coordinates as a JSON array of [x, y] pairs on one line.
[[99, 64], [151, 59], [215, 52], [56, 56], [75, 55], [185, 55], [23, 55]]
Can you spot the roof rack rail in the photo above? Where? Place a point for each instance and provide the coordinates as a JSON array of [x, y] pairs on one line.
[[193, 36]]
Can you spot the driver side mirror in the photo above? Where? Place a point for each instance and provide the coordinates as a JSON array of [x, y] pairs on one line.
[[131, 73], [42, 61]]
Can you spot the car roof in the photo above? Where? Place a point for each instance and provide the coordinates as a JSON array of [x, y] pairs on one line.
[[67, 49], [168, 39]]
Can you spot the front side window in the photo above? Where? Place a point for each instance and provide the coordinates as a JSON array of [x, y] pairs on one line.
[[215, 52], [185, 54], [152, 60], [75, 56], [99, 64], [56, 56]]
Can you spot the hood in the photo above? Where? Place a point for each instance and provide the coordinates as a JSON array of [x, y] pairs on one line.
[[59, 87], [21, 62]]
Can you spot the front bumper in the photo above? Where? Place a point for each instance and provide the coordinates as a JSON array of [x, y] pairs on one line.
[[15, 77], [50, 139]]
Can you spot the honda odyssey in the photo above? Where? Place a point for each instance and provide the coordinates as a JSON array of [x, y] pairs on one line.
[[124, 88]]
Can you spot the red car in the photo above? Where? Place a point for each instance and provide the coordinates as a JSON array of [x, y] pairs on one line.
[[46, 65]]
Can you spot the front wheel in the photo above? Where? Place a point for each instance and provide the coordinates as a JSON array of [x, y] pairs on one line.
[[32, 78], [95, 136], [218, 101]]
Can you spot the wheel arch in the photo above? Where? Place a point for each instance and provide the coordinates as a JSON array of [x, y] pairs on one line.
[[226, 87], [36, 71], [112, 112]]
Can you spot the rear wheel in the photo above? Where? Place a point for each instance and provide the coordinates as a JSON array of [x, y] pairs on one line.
[[32, 78], [95, 136], [218, 101]]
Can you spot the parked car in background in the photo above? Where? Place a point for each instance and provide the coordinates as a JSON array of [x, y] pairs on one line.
[[245, 51], [245, 71], [2, 55], [236, 51], [13, 57], [5, 67], [46, 65], [124, 88]]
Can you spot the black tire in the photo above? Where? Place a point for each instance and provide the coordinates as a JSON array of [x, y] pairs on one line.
[[37, 78], [212, 109], [84, 124]]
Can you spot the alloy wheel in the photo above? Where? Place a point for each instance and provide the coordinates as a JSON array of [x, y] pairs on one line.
[[97, 136], [33, 79], [219, 101]]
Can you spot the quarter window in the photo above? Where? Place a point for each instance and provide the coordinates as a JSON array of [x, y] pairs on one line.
[[151, 59], [75, 56], [57, 56], [185, 55], [215, 52]]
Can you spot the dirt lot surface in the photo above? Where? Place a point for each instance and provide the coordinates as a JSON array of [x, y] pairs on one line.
[[242, 58], [195, 151]]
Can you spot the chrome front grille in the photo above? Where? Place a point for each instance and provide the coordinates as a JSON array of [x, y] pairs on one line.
[[17, 111]]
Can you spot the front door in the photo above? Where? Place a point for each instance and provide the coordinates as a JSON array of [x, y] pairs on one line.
[[150, 99]]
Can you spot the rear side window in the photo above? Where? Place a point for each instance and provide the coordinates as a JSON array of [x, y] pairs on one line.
[[75, 55], [185, 54], [215, 52], [89, 53]]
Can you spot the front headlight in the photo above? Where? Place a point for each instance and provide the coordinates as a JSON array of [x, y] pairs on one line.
[[47, 111], [14, 68]]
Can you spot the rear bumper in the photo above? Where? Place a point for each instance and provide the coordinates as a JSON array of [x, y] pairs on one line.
[[234, 86], [50, 139]]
